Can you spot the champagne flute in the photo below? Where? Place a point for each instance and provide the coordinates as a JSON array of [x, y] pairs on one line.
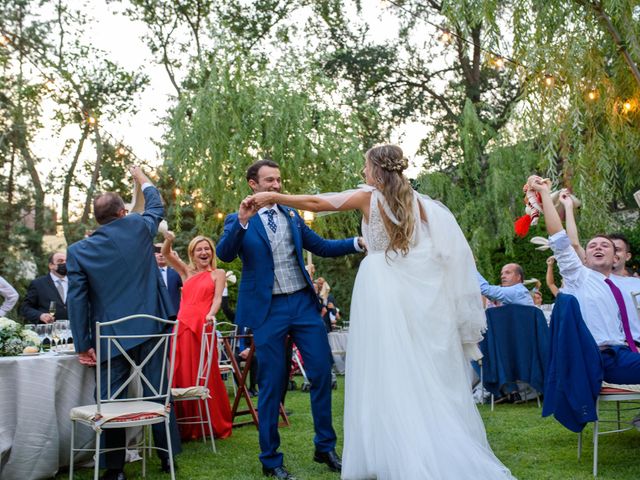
[[52, 309], [55, 335]]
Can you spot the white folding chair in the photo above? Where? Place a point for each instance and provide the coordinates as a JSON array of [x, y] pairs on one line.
[[618, 394], [228, 331], [139, 410], [200, 392]]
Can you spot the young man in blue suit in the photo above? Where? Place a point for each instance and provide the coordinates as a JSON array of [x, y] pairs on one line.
[[113, 274], [170, 277], [276, 298]]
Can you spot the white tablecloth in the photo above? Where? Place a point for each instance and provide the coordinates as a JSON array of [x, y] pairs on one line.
[[36, 394], [338, 343]]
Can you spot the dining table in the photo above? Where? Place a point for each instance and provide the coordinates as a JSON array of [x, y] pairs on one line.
[[36, 394], [338, 342]]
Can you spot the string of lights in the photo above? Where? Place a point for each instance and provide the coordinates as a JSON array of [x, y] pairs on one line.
[[499, 60]]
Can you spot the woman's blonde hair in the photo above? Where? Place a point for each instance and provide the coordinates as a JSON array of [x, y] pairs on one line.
[[192, 247], [387, 163]]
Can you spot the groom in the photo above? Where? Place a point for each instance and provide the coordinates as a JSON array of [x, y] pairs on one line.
[[276, 298]]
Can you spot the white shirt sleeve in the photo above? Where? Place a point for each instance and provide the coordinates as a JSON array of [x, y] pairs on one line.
[[571, 268], [10, 297]]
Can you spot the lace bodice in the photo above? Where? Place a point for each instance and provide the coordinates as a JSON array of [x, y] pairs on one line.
[[374, 232]]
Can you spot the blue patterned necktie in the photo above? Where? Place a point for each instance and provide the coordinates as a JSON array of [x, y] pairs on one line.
[[271, 213]]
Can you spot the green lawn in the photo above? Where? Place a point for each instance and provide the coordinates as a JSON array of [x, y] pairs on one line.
[[532, 447]]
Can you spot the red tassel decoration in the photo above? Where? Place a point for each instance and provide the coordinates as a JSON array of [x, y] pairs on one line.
[[521, 226]]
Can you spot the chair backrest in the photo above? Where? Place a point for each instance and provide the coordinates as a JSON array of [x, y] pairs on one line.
[[207, 350], [229, 331], [164, 344], [515, 346]]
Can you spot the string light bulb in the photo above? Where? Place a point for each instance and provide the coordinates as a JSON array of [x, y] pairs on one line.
[[629, 106], [91, 120], [199, 205], [499, 63], [220, 215], [177, 191], [593, 94], [121, 151], [4, 40], [49, 84], [445, 36], [549, 80]]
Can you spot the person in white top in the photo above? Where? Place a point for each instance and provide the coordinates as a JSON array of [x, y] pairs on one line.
[[10, 297], [595, 291], [628, 285]]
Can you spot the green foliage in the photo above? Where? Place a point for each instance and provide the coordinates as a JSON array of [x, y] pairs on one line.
[[246, 111]]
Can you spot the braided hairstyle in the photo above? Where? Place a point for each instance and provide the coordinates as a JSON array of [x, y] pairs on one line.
[[387, 162]]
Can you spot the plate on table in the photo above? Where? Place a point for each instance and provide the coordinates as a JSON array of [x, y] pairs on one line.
[[30, 354]]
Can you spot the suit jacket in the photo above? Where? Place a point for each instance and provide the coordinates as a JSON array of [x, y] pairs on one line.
[[253, 247], [113, 274], [40, 293], [174, 284], [515, 347], [575, 369]]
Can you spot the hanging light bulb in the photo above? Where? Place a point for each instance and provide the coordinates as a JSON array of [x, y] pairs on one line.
[[199, 205], [121, 151], [220, 215], [593, 94], [4, 40], [445, 36], [549, 80], [91, 120], [177, 191], [629, 106], [498, 62]]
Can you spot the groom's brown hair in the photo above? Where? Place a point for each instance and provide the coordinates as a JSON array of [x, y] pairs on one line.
[[252, 171]]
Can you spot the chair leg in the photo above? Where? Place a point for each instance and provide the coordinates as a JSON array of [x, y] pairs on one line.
[[595, 448], [618, 415], [169, 448], [492, 401], [204, 435], [96, 466], [579, 445], [213, 441], [73, 438], [144, 452]]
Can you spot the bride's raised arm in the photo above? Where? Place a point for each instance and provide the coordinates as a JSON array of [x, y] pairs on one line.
[[325, 202]]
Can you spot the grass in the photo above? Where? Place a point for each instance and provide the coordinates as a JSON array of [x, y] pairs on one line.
[[532, 447]]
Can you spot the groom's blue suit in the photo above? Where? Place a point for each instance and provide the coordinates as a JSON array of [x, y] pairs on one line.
[[273, 316]]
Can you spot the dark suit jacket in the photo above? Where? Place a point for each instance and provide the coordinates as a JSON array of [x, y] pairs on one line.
[[40, 293], [174, 285], [253, 247], [575, 370], [113, 274]]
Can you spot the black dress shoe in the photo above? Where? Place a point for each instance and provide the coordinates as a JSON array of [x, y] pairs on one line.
[[165, 467], [331, 459], [277, 472], [112, 474]]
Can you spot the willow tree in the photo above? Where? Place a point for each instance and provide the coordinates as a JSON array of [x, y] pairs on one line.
[[247, 111], [578, 61]]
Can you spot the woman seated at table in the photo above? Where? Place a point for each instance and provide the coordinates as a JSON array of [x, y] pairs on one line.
[[201, 299]]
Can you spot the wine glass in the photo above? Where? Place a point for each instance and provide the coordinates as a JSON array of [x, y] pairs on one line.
[[41, 332], [48, 336], [56, 331], [52, 309]]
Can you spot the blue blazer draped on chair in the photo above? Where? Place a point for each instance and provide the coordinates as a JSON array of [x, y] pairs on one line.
[[515, 347], [575, 368]]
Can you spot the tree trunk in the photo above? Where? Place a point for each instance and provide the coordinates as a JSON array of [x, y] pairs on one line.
[[94, 177], [69, 234]]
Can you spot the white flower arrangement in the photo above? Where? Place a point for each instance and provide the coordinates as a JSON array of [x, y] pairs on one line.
[[14, 338]]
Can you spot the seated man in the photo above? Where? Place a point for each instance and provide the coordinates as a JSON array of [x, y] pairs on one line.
[[626, 283], [511, 289], [44, 290], [601, 303]]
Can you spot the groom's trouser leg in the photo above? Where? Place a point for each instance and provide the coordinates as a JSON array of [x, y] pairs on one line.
[[310, 336], [269, 340]]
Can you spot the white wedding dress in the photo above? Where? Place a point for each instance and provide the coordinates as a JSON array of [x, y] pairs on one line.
[[409, 412]]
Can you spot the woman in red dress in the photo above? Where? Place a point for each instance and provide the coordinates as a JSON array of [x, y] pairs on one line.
[[201, 298]]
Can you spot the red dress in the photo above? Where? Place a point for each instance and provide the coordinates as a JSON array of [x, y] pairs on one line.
[[197, 295]]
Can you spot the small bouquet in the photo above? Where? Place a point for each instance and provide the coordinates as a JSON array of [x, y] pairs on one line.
[[14, 338]]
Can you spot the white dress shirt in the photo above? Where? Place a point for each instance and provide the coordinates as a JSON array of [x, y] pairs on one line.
[[597, 304], [627, 286], [10, 297], [64, 282]]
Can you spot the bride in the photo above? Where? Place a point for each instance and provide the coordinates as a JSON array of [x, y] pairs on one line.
[[416, 319]]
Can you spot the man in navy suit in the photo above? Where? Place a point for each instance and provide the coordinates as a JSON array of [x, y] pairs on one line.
[[113, 274], [170, 277], [48, 288], [276, 298]]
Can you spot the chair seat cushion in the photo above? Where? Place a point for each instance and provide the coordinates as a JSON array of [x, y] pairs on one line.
[[613, 388], [119, 412], [190, 392]]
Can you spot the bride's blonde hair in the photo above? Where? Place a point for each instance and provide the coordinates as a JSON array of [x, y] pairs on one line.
[[387, 163]]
